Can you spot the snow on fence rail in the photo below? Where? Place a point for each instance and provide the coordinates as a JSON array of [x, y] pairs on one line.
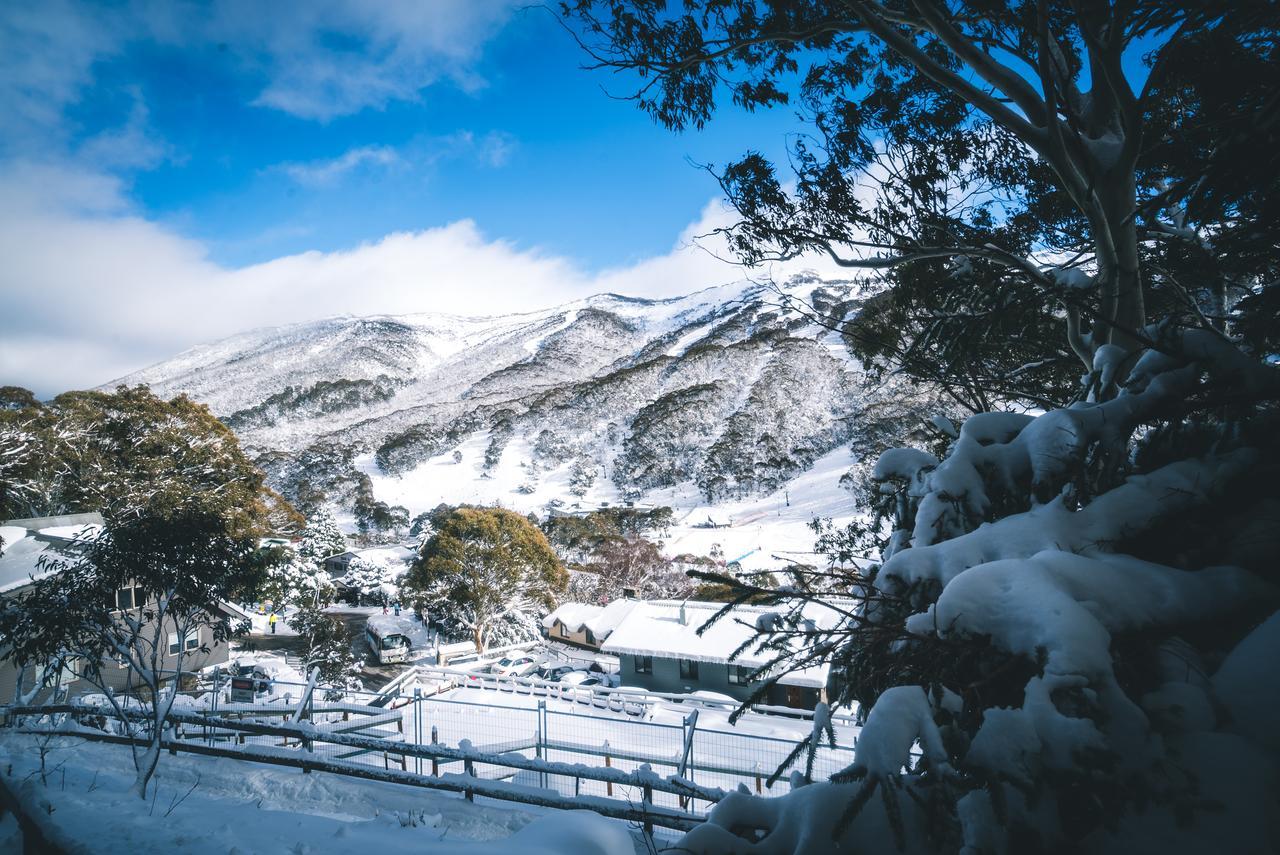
[[527, 725], [306, 736], [604, 696]]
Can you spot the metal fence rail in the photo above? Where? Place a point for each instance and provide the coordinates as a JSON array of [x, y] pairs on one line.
[[581, 747]]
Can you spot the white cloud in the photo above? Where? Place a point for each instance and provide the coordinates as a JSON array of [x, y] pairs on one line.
[[319, 59], [330, 58], [90, 291], [493, 149], [321, 172]]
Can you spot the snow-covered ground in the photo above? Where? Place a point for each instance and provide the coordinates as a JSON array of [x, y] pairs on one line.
[[761, 533], [217, 805]]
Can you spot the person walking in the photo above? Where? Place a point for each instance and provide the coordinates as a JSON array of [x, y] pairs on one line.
[[272, 620], [396, 606]]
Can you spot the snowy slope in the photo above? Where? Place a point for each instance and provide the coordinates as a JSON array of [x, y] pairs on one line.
[[721, 397]]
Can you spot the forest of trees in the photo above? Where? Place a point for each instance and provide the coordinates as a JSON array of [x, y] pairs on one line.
[[1069, 210]]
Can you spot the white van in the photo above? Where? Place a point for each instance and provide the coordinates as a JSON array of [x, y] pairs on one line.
[[386, 639]]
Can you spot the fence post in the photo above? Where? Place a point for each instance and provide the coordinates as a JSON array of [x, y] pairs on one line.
[[417, 726], [435, 761], [217, 672], [541, 748], [470, 768], [690, 725], [608, 764], [647, 804]]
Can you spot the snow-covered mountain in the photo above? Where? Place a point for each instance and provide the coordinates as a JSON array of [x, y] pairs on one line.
[[720, 396]]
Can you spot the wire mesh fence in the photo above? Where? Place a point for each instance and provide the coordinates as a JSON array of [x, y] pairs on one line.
[[501, 725]]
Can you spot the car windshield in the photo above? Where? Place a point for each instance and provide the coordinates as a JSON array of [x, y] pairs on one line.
[[504, 662], [391, 642]]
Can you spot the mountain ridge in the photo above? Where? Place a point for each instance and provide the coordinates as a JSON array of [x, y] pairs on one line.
[[730, 391]]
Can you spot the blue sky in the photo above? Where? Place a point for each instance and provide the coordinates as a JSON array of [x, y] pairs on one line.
[[530, 148], [171, 173], [176, 172]]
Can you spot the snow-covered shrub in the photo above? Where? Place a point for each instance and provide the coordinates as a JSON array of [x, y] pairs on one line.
[[1051, 603], [371, 581]]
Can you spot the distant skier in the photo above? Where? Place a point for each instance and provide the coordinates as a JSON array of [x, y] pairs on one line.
[[272, 620]]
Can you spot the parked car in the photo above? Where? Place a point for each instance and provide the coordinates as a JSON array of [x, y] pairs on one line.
[[514, 666], [634, 702], [553, 671], [580, 679]]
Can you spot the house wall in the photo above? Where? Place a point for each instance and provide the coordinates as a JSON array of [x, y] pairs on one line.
[[712, 677], [115, 676], [580, 638]]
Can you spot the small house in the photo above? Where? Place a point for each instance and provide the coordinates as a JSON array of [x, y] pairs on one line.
[[659, 648], [28, 546]]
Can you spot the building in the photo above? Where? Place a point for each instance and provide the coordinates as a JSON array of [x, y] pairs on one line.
[[659, 648], [25, 555], [586, 625]]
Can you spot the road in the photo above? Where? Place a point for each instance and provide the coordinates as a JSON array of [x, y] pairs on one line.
[[373, 675]]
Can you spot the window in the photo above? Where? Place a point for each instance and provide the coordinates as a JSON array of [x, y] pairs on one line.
[[124, 598], [688, 669], [739, 675], [644, 664], [564, 631], [191, 640]]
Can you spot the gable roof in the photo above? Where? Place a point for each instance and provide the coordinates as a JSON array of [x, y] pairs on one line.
[[601, 620], [656, 628]]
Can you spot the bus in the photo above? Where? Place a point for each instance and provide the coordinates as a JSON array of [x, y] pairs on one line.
[[388, 638]]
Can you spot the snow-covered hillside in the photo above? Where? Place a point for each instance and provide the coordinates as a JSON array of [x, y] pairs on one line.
[[725, 397]]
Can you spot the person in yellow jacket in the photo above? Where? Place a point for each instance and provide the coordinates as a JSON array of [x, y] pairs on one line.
[[272, 620]]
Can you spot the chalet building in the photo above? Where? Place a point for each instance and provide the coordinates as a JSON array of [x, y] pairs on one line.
[[28, 544], [659, 648], [586, 625]]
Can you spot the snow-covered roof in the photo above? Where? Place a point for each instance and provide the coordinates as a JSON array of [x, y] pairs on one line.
[[656, 628], [10, 534], [601, 620], [20, 562], [572, 615], [70, 532], [387, 555]]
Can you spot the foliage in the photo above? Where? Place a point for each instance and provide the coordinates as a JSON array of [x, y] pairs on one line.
[[130, 453], [1036, 205], [180, 566], [481, 567], [371, 581], [956, 151], [617, 565], [328, 647], [577, 536], [321, 537]]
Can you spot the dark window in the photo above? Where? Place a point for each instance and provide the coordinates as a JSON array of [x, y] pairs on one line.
[[739, 675], [688, 669], [124, 598], [644, 664]]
